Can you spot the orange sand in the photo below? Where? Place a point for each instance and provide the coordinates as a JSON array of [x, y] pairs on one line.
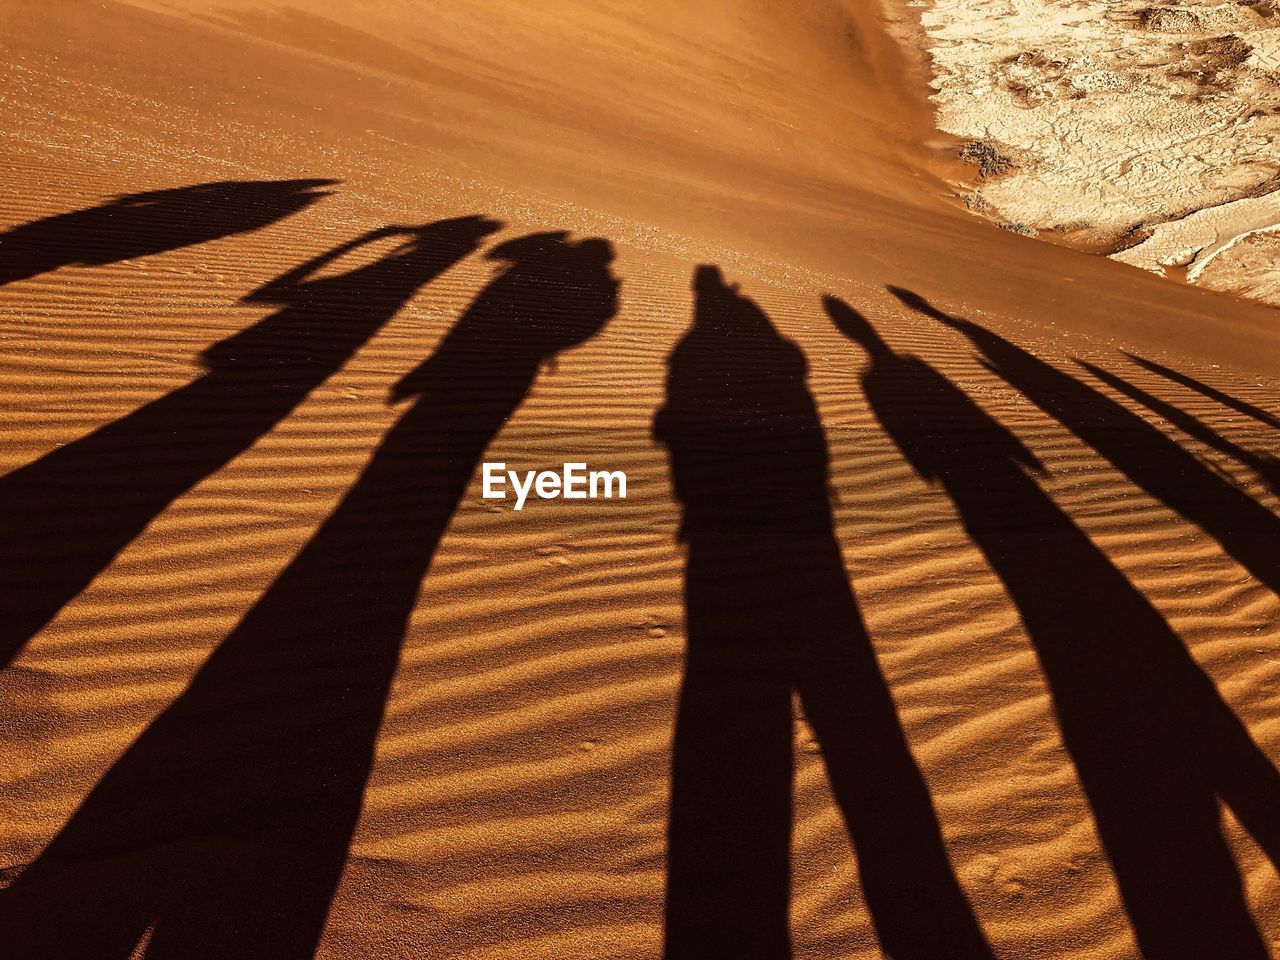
[[481, 766]]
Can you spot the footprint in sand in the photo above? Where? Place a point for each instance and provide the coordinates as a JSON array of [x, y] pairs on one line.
[[554, 555]]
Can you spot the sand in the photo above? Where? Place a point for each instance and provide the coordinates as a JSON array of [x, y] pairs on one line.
[[282, 683]]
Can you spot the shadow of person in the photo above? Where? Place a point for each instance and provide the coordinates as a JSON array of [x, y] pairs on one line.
[[1244, 528], [140, 224], [1153, 742], [222, 832], [64, 517], [1213, 393], [1266, 467], [769, 612]]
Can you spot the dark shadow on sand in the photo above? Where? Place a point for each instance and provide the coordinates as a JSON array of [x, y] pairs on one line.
[[139, 224], [1154, 744], [64, 517], [222, 832], [1245, 529], [1213, 393], [1266, 467], [769, 613]]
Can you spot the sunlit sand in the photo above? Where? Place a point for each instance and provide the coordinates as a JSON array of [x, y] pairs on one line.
[[939, 619]]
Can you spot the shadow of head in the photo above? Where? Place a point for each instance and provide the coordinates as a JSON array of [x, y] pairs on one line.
[[722, 310], [458, 232], [921, 305], [555, 294], [708, 280], [855, 326], [731, 354], [553, 249]]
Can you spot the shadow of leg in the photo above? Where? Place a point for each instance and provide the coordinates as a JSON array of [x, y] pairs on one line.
[[1144, 726], [223, 831], [66, 516], [769, 611]]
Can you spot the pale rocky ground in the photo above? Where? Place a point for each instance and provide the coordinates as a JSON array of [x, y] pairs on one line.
[[1145, 129]]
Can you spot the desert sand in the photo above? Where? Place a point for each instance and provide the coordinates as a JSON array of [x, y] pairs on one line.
[[940, 620]]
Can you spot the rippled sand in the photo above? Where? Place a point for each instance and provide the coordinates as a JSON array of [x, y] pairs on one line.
[[310, 694]]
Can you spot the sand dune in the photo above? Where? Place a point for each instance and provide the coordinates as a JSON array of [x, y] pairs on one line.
[[940, 619]]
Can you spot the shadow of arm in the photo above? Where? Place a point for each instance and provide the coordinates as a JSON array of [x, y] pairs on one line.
[[281, 289]]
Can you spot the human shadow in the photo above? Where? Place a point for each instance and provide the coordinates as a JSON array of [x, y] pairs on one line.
[[769, 613], [1244, 528], [1213, 393], [1153, 743], [1266, 467], [140, 224], [222, 832], [64, 517]]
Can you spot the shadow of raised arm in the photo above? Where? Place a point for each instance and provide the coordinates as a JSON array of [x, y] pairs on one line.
[[282, 288]]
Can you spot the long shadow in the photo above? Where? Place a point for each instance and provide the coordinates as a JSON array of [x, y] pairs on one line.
[[769, 613], [222, 832], [139, 224], [64, 517], [1213, 393], [1154, 744], [1266, 467], [1244, 528]]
